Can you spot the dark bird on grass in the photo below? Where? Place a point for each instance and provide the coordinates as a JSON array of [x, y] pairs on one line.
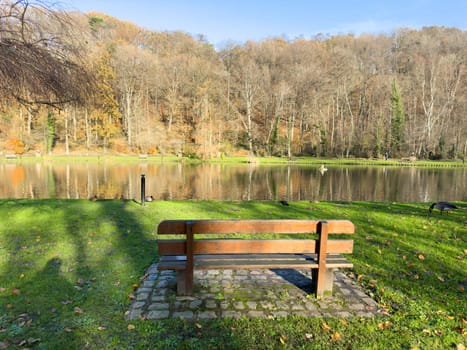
[[442, 206], [284, 203]]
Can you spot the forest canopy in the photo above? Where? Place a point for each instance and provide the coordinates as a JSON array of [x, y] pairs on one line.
[[73, 83]]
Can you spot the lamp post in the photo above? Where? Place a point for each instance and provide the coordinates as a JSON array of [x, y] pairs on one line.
[[143, 189]]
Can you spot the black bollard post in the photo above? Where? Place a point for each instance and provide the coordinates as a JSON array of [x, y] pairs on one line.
[[143, 190]]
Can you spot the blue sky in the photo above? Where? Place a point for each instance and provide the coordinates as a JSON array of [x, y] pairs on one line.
[[241, 20]]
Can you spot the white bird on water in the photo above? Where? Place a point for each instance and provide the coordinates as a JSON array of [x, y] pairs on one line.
[[322, 169]]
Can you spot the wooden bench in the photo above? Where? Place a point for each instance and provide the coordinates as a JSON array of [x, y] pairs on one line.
[[314, 249]]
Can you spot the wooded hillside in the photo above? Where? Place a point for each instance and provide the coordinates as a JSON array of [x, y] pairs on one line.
[[89, 83]]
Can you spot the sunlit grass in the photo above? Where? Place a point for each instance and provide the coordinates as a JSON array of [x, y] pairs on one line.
[[68, 267]]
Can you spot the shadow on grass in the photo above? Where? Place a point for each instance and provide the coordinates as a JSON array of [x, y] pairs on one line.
[[69, 269]]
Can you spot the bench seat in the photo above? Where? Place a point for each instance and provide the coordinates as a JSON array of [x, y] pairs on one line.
[[252, 261]]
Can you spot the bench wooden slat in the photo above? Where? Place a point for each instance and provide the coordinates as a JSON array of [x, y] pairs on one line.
[[268, 261], [177, 247], [174, 227]]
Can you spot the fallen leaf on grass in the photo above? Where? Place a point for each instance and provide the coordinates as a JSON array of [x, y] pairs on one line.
[[131, 327], [15, 291], [29, 341], [344, 322], [77, 310], [460, 347], [2, 289], [308, 336], [384, 325], [325, 327], [421, 257], [283, 339], [336, 336], [131, 296], [441, 279], [101, 328], [68, 330]]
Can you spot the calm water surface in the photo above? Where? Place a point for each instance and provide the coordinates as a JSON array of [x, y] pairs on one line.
[[172, 181]]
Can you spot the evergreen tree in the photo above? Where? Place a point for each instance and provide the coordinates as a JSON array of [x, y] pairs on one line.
[[50, 132]]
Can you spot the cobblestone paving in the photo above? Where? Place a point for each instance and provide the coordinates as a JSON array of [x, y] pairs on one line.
[[247, 293]]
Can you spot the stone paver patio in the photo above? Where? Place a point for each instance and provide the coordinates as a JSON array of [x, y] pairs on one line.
[[247, 293]]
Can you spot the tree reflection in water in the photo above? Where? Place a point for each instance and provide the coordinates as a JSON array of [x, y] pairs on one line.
[[175, 181]]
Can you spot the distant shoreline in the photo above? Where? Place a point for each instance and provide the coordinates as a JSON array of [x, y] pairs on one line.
[[312, 161]]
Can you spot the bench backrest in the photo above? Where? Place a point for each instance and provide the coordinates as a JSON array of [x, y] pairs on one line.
[[191, 246]]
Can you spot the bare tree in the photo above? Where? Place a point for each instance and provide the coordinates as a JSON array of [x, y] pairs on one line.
[[39, 58]]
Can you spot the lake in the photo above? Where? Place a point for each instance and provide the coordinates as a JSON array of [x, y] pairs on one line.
[[175, 181]]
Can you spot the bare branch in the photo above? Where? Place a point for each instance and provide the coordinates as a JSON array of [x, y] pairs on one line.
[[40, 58]]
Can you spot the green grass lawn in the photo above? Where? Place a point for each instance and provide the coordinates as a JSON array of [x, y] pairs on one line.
[[68, 268]]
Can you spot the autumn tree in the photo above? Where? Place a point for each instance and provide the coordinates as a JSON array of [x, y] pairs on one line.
[[397, 119], [105, 115]]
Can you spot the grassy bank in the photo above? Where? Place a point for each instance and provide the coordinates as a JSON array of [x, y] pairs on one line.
[[312, 161], [68, 269]]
